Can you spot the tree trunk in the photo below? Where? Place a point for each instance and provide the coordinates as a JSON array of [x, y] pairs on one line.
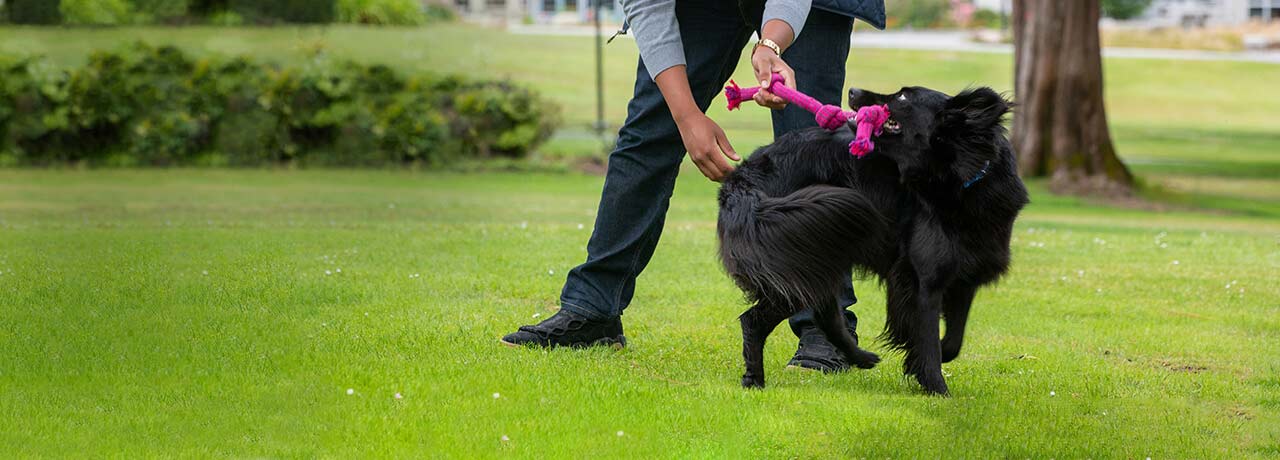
[[1060, 128]]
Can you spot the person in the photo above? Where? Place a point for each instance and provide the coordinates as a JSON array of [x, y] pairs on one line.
[[688, 50]]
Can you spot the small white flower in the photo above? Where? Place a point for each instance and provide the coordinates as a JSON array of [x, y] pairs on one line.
[[399, 396], [524, 225], [204, 272], [1079, 272], [620, 433], [535, 315], [1099, 290], [351, 391], [551, 272], [505, 439], [1175, 262], [579, 226], [339, 270], [1164, 245], [327, 273], [1053, 393], [496, 396]]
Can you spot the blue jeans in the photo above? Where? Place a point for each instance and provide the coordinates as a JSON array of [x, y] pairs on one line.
[[644, 163]]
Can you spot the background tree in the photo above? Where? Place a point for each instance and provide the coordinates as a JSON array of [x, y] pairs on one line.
[[1060, 129]]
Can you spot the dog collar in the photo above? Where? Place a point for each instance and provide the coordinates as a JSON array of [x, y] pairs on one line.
[[980, 174]]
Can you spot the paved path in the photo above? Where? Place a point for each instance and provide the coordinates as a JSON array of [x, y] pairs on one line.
[[956, 41]]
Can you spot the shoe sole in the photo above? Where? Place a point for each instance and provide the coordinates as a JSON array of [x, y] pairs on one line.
[[617, 343]]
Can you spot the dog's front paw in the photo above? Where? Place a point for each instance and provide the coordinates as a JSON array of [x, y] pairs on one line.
[[750, 382]]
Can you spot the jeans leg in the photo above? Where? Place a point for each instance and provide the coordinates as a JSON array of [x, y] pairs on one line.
[[644, 163], [818, 56]]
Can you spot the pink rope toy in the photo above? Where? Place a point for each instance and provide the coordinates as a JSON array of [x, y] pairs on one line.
[[870, 119]]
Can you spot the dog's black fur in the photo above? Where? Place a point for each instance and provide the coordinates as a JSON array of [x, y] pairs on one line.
[[800, 212]]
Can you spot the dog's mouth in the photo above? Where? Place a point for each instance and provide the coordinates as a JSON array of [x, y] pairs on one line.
[[891, 126]]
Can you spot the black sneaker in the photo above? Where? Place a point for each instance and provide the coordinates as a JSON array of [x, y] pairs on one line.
[[817, 353], [569, 329]]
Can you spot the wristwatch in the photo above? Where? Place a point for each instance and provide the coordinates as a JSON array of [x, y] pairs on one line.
[[767, 43]]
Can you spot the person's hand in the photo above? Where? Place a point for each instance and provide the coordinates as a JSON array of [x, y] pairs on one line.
[[766, 63], [707, 145]]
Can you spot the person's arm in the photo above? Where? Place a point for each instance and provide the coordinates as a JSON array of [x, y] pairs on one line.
[[657, 34], [783, 21]]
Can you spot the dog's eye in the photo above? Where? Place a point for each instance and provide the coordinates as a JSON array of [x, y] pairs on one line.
[[892, 126]]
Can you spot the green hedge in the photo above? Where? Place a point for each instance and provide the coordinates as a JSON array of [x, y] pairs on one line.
[[117, 12], [148, 106], [382, 12], [35, 12], [293, 11]]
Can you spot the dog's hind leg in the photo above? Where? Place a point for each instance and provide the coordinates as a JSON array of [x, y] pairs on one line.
[[956, 311], [757, 323], [836, 328]]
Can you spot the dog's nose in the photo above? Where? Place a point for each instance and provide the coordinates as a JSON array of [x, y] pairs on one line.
[[854, 95]]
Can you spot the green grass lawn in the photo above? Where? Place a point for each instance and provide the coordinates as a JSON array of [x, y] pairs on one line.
[[227, 313]]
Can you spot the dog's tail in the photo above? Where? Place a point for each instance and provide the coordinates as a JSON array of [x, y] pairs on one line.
[[792, 251]]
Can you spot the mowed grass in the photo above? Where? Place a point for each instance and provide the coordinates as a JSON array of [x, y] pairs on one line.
[[227, 313], [1171, 120]]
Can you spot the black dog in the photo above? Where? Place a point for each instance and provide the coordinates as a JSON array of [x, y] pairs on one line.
[[930, 211]]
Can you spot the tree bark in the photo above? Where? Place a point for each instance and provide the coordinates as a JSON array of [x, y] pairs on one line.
[[1060, 128]]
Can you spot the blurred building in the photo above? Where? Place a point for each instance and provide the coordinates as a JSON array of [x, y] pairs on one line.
[[1200, 13]]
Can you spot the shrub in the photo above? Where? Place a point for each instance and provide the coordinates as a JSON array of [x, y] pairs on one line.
[[96, 12], [148, 11], [293, 11], [156, 106], [1124, 9], [919, 14], [35, 12], [34, 110], [440, 13], [497, 118], [985, 19], [381, 12]]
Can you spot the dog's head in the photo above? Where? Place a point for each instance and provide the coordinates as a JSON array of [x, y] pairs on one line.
[[936, 137]]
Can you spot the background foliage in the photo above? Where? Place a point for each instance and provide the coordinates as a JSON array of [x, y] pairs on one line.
[[1124, 9], [145, 105], [220, 12]]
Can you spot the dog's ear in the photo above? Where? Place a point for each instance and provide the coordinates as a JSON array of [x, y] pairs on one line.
[[973, 109]]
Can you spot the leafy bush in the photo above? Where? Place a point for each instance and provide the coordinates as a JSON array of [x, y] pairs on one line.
[[985, 19], [292, 11], [1124, 9], [148, 105], [96, 12], [919, 14], [381, 12], [148, 11], [440, 13], [35, 12]]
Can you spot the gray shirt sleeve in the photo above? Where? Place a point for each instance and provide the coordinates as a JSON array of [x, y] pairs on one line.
[[653, 22], [658, 33], [792, 12]]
